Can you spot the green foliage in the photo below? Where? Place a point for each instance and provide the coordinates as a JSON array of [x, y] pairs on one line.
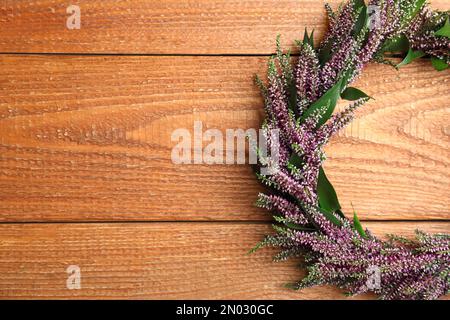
[[416, 8], [353, 94], [325, 54], [363, 18], [409, 12], [295, 160], [290, 224], [396, 44], [328, 100], [445, 30], [358, 226], [328, 200], [439, 64], [258, 246], [265, 180], [302, 107], [330, 217], [308, 39], [410, 57], [262, 87], [284, 61]]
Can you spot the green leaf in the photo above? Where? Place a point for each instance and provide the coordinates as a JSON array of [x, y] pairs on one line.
[[339, 212], [295, 226], [412, 55], [292, 96], [353, 94], [292, 286], [328, 199], [295, 160], [329, 100], [445, 30], [361, 21], [408, 15], [397, 44], [417, 7], [358, 4], [330, 217], [305, 37], [358, 226], [308, 39], [346, 76], [439, 64], [325, 54], [311, 39]]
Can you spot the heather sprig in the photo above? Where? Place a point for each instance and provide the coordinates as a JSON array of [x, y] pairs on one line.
[[300, 99]]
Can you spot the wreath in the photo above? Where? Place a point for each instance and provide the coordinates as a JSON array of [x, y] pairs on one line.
[[300, 97]]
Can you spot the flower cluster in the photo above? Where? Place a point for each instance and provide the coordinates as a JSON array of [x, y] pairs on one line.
[[339, 255], [300, 99], [422, 36]]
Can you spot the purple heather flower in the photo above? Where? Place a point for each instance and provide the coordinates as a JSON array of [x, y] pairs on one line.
[[336, 250]]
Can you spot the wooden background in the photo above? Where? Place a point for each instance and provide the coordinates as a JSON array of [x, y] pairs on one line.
[[85, 172]]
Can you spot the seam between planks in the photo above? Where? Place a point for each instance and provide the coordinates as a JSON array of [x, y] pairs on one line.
[[259, 222]]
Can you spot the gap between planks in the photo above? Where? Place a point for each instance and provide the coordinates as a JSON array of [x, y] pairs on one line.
[[161, 27]]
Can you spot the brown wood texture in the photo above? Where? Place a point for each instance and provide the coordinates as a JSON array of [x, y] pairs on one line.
[[170, 26], [89, 138], [156, 260], [160, 27]]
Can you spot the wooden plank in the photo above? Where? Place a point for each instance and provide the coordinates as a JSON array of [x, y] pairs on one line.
[[155, 27], [156, 260], [89, 138]]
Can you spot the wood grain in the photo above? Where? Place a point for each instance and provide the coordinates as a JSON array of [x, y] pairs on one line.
[[89, 138], [156, 260], [160, 27]]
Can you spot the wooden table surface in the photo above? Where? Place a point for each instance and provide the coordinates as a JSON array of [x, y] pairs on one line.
[[86, 177]]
